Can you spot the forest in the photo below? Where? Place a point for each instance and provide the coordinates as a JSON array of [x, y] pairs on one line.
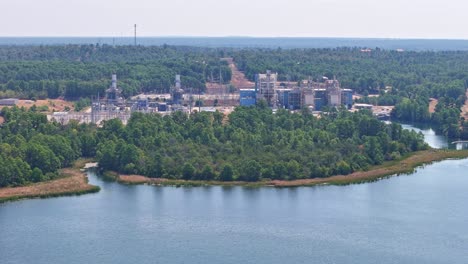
[[33, 149], [77, 71], [250, 144]]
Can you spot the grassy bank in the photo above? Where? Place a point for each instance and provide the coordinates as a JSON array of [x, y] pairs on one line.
[[71, 182], [403, 166]]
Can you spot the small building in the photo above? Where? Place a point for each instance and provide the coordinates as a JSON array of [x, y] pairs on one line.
[[9, 102], [142, 103], [162, 107], [363, 106], [248, 97]]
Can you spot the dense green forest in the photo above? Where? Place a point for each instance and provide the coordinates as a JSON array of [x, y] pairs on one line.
[[250, 144], [76, 71], [33, 149], [404, 79], [253, 144]]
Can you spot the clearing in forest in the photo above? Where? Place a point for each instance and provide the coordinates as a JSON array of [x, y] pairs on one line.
[[238, 78], [464, 112], [57, 105], [432, 105]]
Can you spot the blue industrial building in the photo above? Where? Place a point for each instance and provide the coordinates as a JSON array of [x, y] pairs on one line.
[[321, 99], [248, 97], [142, 103], [283, 97], [319, 103], [347, 98], [290, 98]]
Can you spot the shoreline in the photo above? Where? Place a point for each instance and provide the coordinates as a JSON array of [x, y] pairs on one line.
[[73, 182], [405, 165]]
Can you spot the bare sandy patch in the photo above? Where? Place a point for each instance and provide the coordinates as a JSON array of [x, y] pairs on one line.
[[432, 105], [57, 105], [73, 182]]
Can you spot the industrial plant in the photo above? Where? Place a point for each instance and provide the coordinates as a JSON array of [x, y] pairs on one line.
[[313, 95], [308, 94]]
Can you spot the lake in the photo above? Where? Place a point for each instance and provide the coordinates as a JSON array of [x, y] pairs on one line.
[[430, 136], [418, 218]]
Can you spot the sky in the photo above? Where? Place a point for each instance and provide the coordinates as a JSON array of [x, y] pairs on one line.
[[273, 18]]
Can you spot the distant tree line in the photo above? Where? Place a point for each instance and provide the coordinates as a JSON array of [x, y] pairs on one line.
[[76, 71]]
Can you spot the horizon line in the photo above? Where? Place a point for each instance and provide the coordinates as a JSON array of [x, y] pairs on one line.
[[252, 37]]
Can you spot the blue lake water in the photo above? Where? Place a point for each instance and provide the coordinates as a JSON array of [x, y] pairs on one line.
[[430, 136], [418, 218]]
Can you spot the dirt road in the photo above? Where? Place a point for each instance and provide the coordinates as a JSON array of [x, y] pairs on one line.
[[238, 78]]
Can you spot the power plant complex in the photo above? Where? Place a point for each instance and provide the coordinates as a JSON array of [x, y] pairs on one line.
[[313, 95]]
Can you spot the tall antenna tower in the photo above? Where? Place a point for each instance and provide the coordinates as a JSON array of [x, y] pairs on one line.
[[135, 34]]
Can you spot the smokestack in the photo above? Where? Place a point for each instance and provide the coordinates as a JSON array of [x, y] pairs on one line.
[[177, 81], [114, 81]]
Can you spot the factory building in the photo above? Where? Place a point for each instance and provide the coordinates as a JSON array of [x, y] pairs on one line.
[[313, 95], [8, 102], [321, 99], [308, 98], [265, 85], [347, 98], [334, 93], [177, 92], [248, 97], [113, 94], [290, 98]]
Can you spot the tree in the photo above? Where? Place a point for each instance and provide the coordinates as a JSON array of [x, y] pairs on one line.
[[227, 174], [42, 157], [36, 175], [188, 171], [294, 170], [252, 171], [207, 173]]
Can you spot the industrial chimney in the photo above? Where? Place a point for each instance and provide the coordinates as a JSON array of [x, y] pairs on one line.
[[114, 81], [177, 81]]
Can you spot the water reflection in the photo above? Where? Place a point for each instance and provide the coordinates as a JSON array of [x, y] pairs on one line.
[[461, 145], [388, 221], [434, 140]]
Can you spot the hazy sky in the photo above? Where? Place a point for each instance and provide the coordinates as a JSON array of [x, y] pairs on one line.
[[265, 18]]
